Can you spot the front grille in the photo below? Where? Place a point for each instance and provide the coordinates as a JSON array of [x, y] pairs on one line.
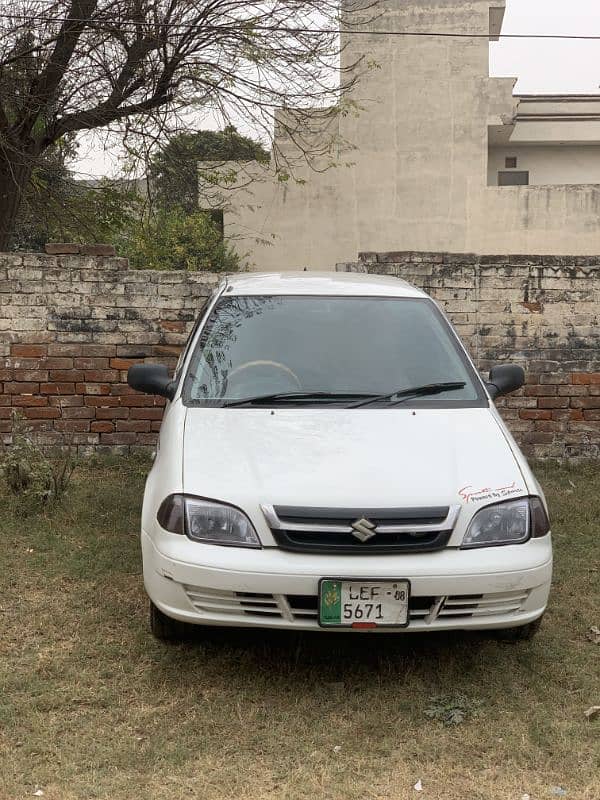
[[300, 609], [330, 530], [327, 543]]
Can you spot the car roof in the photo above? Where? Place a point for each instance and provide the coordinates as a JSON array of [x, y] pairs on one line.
[[319, 283]]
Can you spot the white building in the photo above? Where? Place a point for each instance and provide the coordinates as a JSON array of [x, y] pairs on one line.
[[446, 157]]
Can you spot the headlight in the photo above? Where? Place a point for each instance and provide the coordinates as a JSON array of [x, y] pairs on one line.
[[513, 522], [206, 521]]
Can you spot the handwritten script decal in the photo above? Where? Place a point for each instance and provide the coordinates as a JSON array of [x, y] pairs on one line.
[[471, 495]]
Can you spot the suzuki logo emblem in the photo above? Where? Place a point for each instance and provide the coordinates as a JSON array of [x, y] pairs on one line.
[[363, 530]]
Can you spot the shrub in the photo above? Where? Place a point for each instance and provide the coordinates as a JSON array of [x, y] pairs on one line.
[[36, 480], [176, 240]]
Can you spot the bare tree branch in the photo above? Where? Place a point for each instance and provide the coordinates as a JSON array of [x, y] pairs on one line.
[[68, 66]]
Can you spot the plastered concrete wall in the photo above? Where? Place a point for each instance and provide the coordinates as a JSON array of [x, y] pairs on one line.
[[538, 311], [418, 178], [70, 327]]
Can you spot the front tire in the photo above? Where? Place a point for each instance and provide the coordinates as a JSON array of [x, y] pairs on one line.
[[166, 629], [524, 633]]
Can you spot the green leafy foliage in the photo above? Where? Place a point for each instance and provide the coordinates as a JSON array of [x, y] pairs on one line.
[[32, 478], [56, 207], [176, 240], [173, 169]]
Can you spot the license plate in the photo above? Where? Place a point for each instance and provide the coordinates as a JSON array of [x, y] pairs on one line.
[[363, 603]]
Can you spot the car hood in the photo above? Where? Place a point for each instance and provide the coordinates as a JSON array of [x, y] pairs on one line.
[[348, 458]]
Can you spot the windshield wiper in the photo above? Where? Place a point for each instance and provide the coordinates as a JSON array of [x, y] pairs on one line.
[[417, 391], [266, 398]]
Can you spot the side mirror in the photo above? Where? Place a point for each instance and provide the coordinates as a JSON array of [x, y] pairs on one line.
[[505, 379], [151, 379]]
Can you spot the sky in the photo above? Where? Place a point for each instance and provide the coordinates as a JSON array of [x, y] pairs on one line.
[[550, 66], [542, 66]]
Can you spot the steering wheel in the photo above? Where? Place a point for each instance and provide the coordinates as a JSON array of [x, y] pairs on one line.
[[263, 363]]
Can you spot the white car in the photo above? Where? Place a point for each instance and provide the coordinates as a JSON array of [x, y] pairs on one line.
[[330, 459]]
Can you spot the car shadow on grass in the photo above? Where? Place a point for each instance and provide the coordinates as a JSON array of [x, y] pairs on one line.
[[335, 653]]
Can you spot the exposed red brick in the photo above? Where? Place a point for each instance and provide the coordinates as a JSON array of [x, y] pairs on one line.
[[122, 389], [91, 363], [534, 413], [576, 415], [70, 375], [147, 413], [78, 412], [72, 425], [135, 425], [553, 402], [25, 400], [112, 413], [17, 387], [6, 375], [102, 401], [118, 438], [62, 350], [123, 363], [101, 375], [137, 400], [63, 401], [147, 438], [102, 427], [535, 307], [156, 425], [57, 362], [98, 350], [34, 375], [167, 349], [585, 402], [57, 388], [549, 425], [93, 388], [585, 377], [29, 350], [46, 412], [539, 390], [173, 327]]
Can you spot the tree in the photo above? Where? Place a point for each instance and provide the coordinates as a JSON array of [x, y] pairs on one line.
[[176, 240], [173, 168], [142, 66], [56, 207]]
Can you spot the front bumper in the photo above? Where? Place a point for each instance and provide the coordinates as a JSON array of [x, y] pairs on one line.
[[209, 585]]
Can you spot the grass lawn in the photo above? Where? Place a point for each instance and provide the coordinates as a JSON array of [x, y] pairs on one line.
[[92, 707]]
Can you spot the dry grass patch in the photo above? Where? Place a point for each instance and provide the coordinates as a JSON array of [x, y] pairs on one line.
[[92, 707]]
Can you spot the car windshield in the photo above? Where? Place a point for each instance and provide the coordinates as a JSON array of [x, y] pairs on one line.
[[337, 349]]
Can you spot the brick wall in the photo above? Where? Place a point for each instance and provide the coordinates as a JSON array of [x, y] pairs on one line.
[[538, 311], [70, 326]]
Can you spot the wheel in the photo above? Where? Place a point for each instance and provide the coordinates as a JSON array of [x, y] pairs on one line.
[[167, 629], [521, 634]]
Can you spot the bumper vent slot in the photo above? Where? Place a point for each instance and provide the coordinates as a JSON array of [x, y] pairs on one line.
[[301, 608]]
